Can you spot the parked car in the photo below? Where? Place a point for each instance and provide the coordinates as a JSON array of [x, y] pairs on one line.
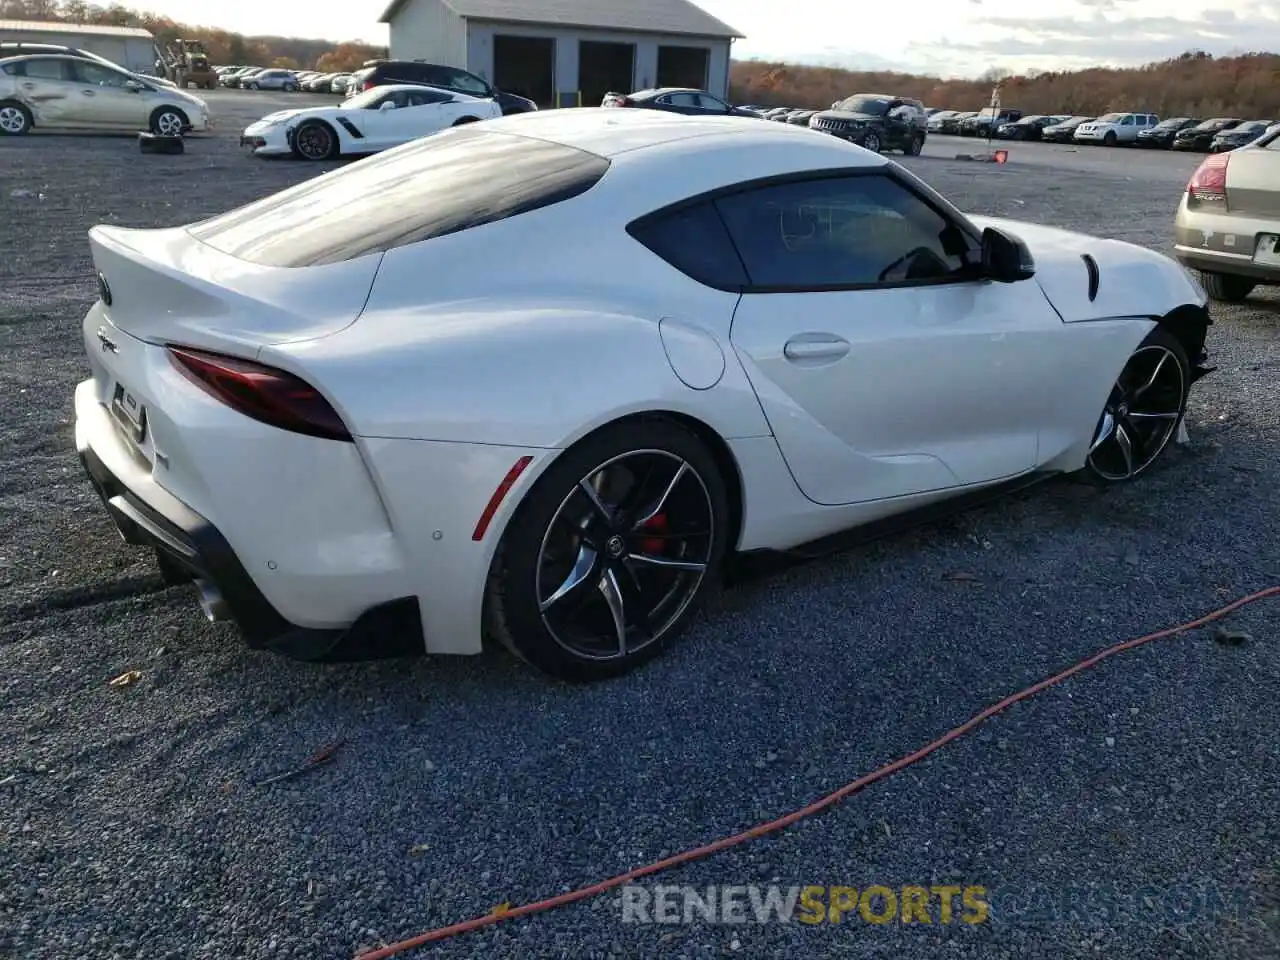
[[320, 83], [985, 121], [341, 84], [382, 72], [1112, 129], [1228, 222], [1239, 135], [876, 121], [285, 80], [313, 337], [801, 118], [375, 120], [951, 125], [236, 77], [1165, 132], [1064, 132], [685, 100], [1200, 137], [934, 122], [47, 92], [1028, 128]]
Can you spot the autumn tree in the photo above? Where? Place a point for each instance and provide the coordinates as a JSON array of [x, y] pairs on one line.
[[344, 58], [285, 63]]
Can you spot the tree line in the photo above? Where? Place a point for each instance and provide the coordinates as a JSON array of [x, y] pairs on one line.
[[224, 46], [1194, 84]]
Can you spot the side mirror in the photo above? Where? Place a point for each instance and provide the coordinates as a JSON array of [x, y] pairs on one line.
[[1005, 258], [387, 105], [133, 86]]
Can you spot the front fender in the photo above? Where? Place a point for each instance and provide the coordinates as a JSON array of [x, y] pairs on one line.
[[1131, 281]]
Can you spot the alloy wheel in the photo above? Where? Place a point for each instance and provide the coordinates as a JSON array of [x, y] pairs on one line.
[[872, 142], [1141, 414], [624, 555], [314, 142], [12, 120], [169, 124]]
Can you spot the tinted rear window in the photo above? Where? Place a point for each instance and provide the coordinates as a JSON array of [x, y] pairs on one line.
[[695, 241], [442, 184]]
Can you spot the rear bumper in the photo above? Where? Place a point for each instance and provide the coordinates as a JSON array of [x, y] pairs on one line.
[[1232, 264], [195, 549]]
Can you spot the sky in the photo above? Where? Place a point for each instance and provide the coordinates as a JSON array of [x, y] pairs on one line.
[[949, 38]]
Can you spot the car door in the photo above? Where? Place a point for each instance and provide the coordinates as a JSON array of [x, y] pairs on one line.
[[112, 98], [686, 103], [418, 113], [712, 106], [897, 125], [884, 369], [49, 89]]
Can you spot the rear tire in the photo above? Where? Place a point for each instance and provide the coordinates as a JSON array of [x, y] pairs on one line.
[[15, 119], [1227, 287], [914, 146], [629, 530], [461, 120]]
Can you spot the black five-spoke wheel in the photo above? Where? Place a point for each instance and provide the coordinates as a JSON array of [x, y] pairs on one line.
[[611, 552], [1143, 411]]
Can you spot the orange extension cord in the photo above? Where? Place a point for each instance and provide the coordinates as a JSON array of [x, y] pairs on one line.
[[443, 933]]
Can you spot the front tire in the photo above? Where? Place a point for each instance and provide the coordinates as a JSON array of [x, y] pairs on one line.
[[872, 142], [1143, 411], [315, 140], [15, 119], [1226, 287], [611, 552], [461, 120], [169, 122], [1110, 139]]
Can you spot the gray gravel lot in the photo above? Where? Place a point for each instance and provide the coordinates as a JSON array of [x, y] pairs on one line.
[[130, 827]]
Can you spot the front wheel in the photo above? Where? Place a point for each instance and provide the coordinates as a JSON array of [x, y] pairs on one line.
[[1143, 412], [315, 140], [1110, 139], [168, 122], [611, 552], [872, 142]]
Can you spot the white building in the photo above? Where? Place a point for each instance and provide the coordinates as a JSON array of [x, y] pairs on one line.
[[567, 52], [131, 47]]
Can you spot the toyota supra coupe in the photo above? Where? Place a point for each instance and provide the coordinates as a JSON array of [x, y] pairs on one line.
[[710, 336], [375, 120]]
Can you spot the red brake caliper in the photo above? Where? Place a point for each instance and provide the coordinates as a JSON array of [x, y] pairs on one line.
[[655, 524]]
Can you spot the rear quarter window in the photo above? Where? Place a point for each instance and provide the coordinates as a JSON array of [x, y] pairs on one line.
[[696, 242], [452, 181]]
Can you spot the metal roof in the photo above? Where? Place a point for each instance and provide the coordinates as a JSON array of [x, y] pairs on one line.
[[674, 17], [81, 29]]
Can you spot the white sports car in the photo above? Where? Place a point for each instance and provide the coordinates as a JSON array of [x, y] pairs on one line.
[[369, 122], [708, 336]]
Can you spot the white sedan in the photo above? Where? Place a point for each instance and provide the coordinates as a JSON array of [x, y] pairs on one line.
[[708, 336], [369, 122]]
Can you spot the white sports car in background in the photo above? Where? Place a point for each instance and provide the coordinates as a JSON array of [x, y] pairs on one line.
[[708, 336], [369, 122]]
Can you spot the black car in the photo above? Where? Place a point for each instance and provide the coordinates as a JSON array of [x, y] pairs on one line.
[[1063, 132], [1163, 133], [876, 121], [1239, 135], [686, 100], [1028, 128], [950, 123], [1200, 137], [985, 121], [800, 118], [380, 73]]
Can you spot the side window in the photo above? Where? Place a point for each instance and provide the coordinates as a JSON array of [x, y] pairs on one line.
[[707, 102], [466, 82], [856, 230], [99, 76], [44, 69], [1127, 122], [695, 242], [682, 99]]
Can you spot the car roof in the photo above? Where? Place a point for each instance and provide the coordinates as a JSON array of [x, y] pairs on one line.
[[611, 133]]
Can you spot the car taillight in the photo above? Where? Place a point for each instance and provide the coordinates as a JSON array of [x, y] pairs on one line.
[[367, 85], [262, 393], [1209, 182]]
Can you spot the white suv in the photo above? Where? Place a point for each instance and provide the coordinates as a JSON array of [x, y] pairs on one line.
[[1113, 128]]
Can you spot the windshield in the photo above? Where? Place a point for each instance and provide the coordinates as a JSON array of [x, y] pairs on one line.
[[361, 100], [1249, 127], [873, 106], [1170, 124], [1217, 123], [1028, 121]]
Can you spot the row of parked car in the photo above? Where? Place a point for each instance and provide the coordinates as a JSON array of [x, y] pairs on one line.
[[1214, 135], [241, 77]]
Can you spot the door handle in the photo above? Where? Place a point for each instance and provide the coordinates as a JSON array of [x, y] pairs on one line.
[[826, 348], [87, 93], [28, 86]]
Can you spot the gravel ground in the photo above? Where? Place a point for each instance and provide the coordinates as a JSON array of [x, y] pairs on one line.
[[131, 827]]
